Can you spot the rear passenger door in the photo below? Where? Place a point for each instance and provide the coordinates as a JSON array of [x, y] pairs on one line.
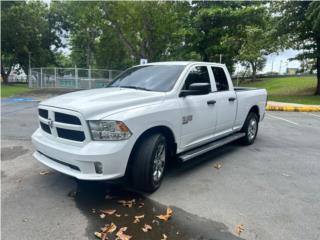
[[226, 102]]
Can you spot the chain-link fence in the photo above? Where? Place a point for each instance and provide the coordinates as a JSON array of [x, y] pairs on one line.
[[70, 78]]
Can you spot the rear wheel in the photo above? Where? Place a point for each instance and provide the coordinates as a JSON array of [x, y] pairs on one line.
[[250, 128], [149, 161]]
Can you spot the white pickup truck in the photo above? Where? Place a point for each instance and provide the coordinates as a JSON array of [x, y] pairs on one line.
[[148, 116]]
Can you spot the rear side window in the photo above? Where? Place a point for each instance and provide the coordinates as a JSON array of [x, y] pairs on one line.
[[197, 74], [220, 78]]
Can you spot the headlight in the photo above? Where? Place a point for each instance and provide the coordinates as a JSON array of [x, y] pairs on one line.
[[104, 130]]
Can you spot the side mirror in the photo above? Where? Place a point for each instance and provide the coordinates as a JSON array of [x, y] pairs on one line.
[[196, 89]]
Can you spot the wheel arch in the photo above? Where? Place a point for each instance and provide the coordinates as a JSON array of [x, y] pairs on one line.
[[165, 130], [255, 109]]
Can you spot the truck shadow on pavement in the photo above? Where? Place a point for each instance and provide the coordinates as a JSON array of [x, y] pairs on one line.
[[92, 197], [179, 169]]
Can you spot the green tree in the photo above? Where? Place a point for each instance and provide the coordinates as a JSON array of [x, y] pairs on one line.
[[26, 29], [219, 28], [256, 44], [146, 29], [300, 22]]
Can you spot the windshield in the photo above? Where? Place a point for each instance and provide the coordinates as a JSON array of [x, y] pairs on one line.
[[159, 78]]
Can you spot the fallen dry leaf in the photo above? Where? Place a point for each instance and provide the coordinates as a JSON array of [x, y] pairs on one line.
[[146, 228], [164, 237], [239, 229], [217, 165], [140, 205], [128, 204], [102, 215], [137, 218], [98, 234], [108, 211], [118, 215], [167, 216], [121, 235], [104, 236], [126, 214], [109, 228], [45, 172]]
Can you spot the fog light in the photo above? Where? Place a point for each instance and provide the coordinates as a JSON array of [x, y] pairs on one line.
[[98, 167]]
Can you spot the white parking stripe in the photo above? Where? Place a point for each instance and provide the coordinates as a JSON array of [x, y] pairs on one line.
[[312, 114], [283, 119]]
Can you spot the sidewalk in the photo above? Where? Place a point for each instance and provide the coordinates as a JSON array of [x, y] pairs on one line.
[[291, 107]]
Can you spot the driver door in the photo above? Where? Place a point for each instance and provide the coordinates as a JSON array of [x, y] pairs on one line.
[[199, 115]]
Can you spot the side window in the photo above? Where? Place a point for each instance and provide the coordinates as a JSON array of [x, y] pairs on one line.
[[197, 74], [220, 78]]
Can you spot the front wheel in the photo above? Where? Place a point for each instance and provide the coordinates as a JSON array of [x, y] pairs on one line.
[[149, 161], [250, 128]]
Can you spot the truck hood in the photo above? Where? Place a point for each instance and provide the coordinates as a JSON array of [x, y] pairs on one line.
[[102, 102]]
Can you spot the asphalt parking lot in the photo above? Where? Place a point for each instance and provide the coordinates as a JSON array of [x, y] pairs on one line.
[[271, 187]]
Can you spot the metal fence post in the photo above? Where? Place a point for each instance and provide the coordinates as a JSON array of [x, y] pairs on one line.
[[55, 77], [90, 78], [41, 78], [29, 78], [76, 76]]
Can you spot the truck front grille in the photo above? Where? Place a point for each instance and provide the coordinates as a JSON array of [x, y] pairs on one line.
[[45, 127], [43, 113], [71, 134], [66, 118], [62, 125]]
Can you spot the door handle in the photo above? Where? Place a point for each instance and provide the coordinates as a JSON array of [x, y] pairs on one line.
[[211, 102], [232, 99]]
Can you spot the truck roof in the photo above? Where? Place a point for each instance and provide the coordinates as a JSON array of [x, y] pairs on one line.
[[183, 63]]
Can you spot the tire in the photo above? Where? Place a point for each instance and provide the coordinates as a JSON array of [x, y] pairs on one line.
[[149, 162], [250, 128]]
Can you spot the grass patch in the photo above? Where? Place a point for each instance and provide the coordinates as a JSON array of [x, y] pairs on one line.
[[295, 89], [11, 90]]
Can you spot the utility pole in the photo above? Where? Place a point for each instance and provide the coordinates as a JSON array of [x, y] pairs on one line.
[[220, 58], [280, 67]]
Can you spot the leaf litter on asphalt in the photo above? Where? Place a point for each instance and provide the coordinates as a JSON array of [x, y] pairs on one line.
[[146, 228], [128, 204], [108, 228], [137, 218], [217, 165], [109, 211], [45, 172], [239, 229], [164, 237], [121, 233], [166, 216]]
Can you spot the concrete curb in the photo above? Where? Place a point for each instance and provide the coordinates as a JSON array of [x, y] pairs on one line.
[[292, 108]]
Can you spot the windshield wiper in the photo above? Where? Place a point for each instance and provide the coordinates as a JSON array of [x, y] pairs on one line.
[[135, 87]]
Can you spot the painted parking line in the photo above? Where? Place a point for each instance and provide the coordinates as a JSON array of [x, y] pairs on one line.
[[312, 114], [283, 119], [15, 100]]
